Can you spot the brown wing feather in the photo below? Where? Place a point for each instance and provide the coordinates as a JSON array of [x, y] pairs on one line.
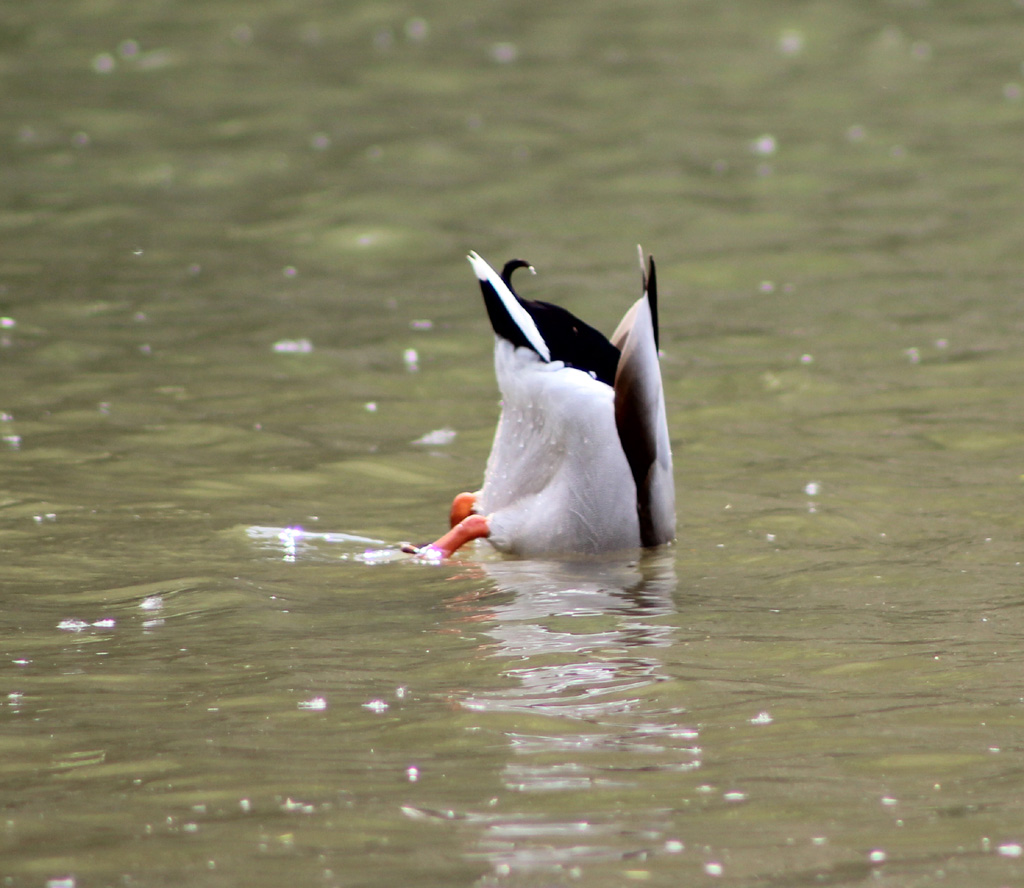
[[640, 415]]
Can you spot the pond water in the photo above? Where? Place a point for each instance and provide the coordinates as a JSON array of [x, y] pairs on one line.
[[243, 359]]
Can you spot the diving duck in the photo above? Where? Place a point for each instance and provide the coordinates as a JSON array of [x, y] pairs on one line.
[[581, 462]]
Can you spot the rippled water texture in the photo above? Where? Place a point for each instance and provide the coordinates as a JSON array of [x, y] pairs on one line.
[[243, 359]]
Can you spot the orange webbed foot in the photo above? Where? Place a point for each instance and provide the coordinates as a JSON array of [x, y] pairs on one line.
[[470, 528], [462, 507]]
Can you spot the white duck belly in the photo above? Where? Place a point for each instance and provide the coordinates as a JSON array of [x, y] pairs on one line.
[[557, 480]]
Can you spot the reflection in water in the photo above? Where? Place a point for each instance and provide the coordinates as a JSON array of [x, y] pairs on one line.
[[534, 624], [582, 642]]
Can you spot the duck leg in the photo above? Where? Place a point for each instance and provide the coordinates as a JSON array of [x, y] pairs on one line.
[[470, 528]]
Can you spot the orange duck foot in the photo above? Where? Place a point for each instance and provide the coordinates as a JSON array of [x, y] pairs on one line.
[[470, 528], [462, 508]]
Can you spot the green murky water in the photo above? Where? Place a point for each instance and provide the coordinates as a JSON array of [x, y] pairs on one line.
[[234, 299]]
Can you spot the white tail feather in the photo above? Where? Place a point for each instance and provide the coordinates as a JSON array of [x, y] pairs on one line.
[[519, 315]]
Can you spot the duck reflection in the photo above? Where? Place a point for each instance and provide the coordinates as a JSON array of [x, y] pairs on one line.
[[585, 630], [590, 706]]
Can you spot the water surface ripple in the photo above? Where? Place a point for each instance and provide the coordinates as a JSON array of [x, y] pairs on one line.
[[243, 359]]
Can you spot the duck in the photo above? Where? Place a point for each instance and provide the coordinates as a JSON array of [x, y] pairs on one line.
[[581, 462]]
